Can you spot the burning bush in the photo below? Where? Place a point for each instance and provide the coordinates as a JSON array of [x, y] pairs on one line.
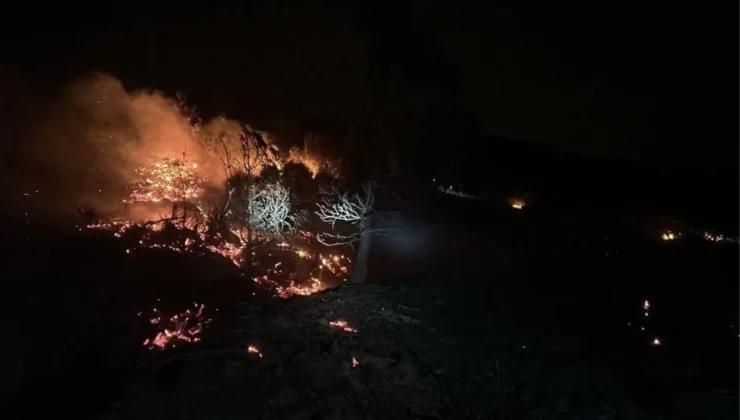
[[173, 180]]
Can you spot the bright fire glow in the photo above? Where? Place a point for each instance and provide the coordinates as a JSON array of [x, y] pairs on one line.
[[168, 179], [668, 236]]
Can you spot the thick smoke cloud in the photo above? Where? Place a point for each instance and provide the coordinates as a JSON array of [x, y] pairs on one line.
[[84, 146]]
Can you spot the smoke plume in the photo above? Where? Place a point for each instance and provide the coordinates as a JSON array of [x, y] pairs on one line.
[[85, 145]]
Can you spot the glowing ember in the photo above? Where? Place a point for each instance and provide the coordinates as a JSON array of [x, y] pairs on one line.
[[646, 305], [183, 327], [334, 264], [517, 203], [228, 250], [167, 180], [293, 289], [254, 350], [656, 341], [355, 363], [344, 325]]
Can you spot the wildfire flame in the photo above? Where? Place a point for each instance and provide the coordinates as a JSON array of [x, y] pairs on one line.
[[312, 162], [168, 179]]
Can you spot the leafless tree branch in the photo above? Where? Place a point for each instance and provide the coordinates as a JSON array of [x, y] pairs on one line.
[[338, 206]]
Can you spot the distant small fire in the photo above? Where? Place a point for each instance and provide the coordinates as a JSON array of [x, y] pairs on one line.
[[252, 349], [517, 203], [669, 236]]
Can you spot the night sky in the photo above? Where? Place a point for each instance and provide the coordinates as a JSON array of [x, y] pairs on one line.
[[653, 83]]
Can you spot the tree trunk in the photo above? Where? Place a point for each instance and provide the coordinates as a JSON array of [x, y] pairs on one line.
[[359, 272]]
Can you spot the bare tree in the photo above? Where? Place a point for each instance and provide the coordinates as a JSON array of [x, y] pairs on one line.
[[270, 209], [357, 210]]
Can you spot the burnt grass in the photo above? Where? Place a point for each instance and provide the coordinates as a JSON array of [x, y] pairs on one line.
[[487, 313]]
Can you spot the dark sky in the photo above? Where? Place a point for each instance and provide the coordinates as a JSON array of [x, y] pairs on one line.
[[656, 83]]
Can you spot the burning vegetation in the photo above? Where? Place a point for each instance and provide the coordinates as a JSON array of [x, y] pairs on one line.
[[169, 179], [256, 228], [156, 177]]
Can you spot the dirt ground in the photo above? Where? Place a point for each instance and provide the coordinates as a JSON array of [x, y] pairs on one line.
[[530, 315]]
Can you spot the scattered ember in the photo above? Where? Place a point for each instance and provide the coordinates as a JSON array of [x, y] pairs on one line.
[[254, 350], [355, 363], [334, 263], [711, 237], [185, 326], [344, 325]]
